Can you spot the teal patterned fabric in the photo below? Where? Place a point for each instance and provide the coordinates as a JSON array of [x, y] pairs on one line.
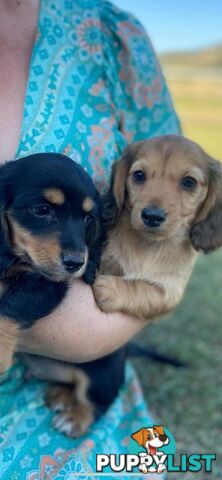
[[94, 86]]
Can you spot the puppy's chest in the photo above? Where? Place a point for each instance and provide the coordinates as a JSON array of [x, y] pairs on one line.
[[126, 258], [166, 266]]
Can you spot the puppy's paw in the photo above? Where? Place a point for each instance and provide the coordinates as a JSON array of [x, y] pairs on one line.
[[73, 422], [106, 293], [72, 418]]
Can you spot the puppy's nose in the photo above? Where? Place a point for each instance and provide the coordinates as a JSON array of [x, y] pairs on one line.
[[153, 216], [73, 263]]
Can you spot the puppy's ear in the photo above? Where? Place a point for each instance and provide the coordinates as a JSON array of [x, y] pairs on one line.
[[139, 436], [6, 257], [206, 233], [159, 429], [114, 199], [119, 176], [93, 230], [110, 209]]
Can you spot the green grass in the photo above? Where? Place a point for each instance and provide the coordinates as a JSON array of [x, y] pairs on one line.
[[209, 57], [199, 105], [189, 400]]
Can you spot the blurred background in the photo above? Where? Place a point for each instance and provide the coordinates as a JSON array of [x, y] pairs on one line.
[[187, 36]]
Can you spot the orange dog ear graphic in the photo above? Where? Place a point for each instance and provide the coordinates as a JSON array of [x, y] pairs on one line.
[[159, 429], [140, 437]]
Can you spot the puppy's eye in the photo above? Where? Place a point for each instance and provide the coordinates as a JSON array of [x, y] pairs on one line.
[[41, 210], [188, 183], [139, 176], [156, 435]]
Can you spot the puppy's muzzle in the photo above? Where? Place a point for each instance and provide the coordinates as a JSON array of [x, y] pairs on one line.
[[153, 217], [73, 262]]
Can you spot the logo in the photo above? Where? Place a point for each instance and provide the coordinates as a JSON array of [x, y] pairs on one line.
[[152, 450], [152, 439]]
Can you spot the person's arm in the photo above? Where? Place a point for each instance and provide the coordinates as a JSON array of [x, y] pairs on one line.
[[77, 331]]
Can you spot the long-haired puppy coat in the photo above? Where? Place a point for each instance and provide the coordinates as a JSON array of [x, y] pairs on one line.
[[50, 233], [167, 197]]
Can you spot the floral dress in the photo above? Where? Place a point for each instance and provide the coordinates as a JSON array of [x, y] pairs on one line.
[[94, 86]]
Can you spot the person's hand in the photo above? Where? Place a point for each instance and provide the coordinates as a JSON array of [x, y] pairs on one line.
[[77, 331]]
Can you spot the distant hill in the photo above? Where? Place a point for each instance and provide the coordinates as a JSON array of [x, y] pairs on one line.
[[210, 57]]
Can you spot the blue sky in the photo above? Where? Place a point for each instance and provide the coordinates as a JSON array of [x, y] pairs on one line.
[[178, 24]]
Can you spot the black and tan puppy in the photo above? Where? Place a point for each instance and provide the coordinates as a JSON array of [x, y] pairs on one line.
[[50, 234]]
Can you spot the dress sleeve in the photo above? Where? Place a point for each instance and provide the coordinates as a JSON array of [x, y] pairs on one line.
[[138, 88]]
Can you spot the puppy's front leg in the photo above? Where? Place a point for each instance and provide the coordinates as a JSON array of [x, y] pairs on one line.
[[9, 334], [135, 297], [74, 412]]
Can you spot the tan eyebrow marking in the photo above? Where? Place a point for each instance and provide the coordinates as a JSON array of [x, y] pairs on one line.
[[54, 195], [87, 204]]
